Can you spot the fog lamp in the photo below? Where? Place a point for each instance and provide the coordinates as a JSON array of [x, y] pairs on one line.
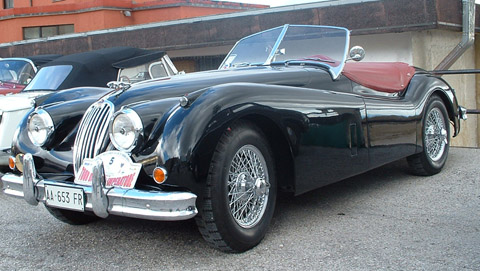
[[11, 162], [160, 175]]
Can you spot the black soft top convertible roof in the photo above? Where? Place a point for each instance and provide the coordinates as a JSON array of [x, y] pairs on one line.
[[97, 68], [40, 60]]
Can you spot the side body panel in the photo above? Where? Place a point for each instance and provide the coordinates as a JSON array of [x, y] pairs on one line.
[[392, 129], [332, 147]]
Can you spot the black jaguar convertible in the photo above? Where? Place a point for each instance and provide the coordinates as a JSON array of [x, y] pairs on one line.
[[287, 110]]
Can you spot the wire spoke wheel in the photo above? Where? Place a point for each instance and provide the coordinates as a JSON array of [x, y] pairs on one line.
[[241, 190], [435, 134], [248, 186]]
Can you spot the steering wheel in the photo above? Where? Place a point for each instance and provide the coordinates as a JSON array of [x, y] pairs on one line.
[[124, 78]]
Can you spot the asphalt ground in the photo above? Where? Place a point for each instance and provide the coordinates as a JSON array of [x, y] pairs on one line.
[[385, 219]]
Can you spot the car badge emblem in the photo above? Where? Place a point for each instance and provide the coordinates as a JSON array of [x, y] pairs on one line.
[[118, 86]]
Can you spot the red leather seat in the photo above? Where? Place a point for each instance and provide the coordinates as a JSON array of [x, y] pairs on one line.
[[391, 77]]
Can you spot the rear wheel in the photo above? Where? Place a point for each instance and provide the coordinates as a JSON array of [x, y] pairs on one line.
[[436, 137], [241, 190], [72, 217]]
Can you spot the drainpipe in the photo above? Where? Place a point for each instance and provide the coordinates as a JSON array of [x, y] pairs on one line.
[[468, 36]]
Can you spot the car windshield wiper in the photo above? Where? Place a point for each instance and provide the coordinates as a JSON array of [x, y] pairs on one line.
[[319, 59], [302, 62]]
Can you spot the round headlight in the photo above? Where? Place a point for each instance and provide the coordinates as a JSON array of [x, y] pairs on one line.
[[125, 129], [40, 127]]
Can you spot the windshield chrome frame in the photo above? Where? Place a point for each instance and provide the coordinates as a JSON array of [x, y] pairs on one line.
[[334, 71], [277, 43]]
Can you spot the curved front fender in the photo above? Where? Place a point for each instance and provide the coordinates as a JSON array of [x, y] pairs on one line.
[[191, 133]]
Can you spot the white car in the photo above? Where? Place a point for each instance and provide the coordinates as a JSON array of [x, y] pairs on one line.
[[17, 72]]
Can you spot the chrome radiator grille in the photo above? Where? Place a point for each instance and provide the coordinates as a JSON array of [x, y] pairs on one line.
[[92, 135]]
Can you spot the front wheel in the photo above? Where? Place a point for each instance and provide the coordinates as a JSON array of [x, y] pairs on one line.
[[241, 190], [435, 137]]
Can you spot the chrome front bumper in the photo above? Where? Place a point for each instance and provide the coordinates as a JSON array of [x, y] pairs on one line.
[[152, 205]]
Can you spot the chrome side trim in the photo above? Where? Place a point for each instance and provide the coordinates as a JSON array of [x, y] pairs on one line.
[[152, 205]]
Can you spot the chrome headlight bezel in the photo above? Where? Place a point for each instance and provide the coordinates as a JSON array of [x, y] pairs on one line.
[[43, 123], [134, 130]]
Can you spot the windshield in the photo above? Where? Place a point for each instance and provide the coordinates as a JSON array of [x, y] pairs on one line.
[[16, 71], [320, 45], [50, 77]]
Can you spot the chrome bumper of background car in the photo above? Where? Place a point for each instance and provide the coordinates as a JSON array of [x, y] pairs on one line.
[[152, 205]]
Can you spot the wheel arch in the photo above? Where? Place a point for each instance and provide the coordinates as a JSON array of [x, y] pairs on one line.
[[281, 149], [451, 106], [422, 163], [279, 145]]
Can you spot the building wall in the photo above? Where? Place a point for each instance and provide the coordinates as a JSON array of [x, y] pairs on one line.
[[28, 3], [12, 30], [104, 14], [174, 13], [386, 47]]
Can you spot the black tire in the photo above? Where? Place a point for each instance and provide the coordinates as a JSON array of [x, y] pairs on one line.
[[216, 221], [436, 140], [72, 217]]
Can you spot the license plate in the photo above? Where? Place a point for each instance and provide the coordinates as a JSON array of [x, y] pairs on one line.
[[65, 197]]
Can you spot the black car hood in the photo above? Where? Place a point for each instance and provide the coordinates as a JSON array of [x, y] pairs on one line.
[[180, 85]]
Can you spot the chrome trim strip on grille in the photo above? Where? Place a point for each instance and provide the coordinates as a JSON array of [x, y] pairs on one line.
[[92, 136]]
